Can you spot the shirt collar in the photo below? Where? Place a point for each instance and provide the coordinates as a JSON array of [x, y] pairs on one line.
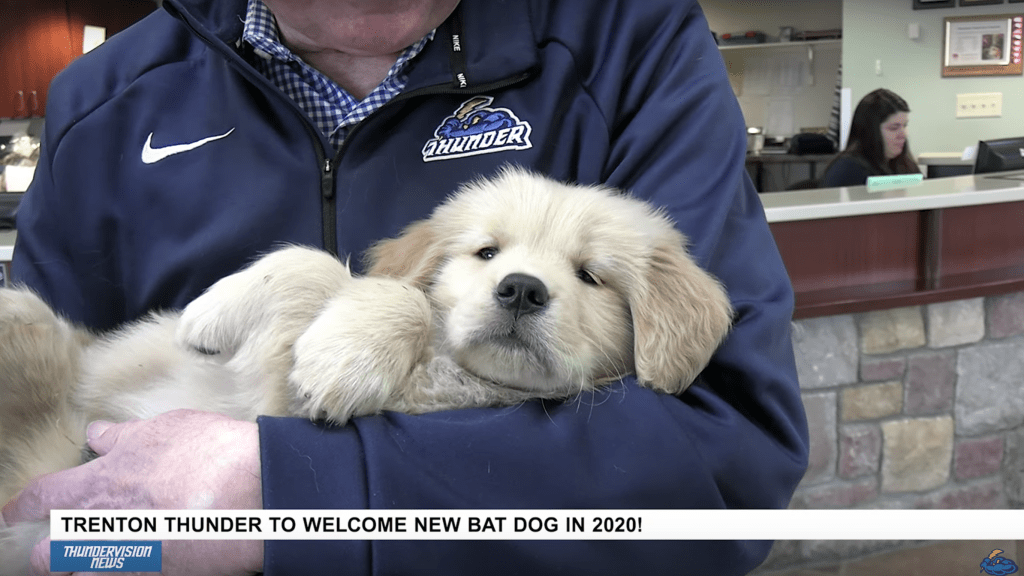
[[260, 31]]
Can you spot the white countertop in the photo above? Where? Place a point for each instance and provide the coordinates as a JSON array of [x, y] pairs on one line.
[[6, 245], [859, 200]]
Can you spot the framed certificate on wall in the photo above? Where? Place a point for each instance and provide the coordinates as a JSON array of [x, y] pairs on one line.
[[983, 45]]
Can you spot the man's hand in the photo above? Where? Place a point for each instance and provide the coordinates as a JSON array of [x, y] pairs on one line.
[[184, 459]]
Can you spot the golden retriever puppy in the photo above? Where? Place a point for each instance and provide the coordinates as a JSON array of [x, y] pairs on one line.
[[517, 287]]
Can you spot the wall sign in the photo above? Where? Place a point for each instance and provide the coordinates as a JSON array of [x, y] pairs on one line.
[[983, 45]]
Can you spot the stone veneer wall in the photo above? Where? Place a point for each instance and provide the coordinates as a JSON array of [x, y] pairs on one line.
[[918, 407]]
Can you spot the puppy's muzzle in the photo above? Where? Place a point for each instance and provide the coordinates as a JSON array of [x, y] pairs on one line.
[[522, 294]]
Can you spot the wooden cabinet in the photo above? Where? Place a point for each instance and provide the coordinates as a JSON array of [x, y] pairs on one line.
[[13, 25], [41, 37], [39, 47]]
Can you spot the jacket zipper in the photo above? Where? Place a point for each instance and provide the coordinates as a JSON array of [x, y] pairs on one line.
[[328, 202], [328, 178], [326, 167]]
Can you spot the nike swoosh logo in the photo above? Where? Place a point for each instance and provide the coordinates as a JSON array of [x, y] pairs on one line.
[[151, 155]]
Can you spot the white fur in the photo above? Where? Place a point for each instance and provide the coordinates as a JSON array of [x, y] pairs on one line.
[[296, 334]]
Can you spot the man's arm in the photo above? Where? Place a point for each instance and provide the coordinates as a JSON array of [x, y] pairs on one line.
[[44, 253]]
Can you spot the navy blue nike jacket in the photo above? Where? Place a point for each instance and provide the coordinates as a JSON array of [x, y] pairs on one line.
[[633, 94]]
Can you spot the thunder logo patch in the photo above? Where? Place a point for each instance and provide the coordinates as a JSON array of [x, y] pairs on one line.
[[476, 128]]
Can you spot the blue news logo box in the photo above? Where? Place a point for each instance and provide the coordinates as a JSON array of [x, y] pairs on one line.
[[105, 556]]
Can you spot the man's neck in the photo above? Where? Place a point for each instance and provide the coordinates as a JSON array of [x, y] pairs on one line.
[[358, 75], [355, 42]]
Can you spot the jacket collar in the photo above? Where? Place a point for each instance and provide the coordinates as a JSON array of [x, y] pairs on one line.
[[213, 20], [493, 53]]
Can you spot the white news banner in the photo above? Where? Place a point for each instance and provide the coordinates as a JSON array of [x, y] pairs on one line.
[[537, 525]]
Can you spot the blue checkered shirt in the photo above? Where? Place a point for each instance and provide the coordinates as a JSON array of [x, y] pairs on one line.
[[332, 110]]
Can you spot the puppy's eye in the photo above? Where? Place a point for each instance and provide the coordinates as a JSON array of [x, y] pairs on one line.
[[487, 253], [588, 278]]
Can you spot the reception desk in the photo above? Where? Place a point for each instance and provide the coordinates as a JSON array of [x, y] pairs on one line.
[[853, 249], [6, 252]]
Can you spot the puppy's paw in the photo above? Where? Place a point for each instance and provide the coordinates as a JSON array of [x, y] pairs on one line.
[[361, 349], [218, 321], [280, 290]]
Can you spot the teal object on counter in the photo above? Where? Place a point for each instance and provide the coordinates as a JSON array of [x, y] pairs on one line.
[[893, 181]]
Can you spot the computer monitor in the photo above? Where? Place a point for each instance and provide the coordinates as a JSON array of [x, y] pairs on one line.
[[8, 207], [999, 155]]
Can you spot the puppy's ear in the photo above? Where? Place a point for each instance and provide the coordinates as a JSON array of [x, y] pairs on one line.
[[680, 316], [414, 256]]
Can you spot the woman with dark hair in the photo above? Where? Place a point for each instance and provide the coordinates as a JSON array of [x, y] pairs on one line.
[[877, 144]]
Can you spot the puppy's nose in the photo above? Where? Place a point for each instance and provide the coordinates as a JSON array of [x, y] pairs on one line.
[[522, 294]]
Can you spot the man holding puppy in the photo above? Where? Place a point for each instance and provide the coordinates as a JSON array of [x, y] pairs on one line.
[[217, 129]]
